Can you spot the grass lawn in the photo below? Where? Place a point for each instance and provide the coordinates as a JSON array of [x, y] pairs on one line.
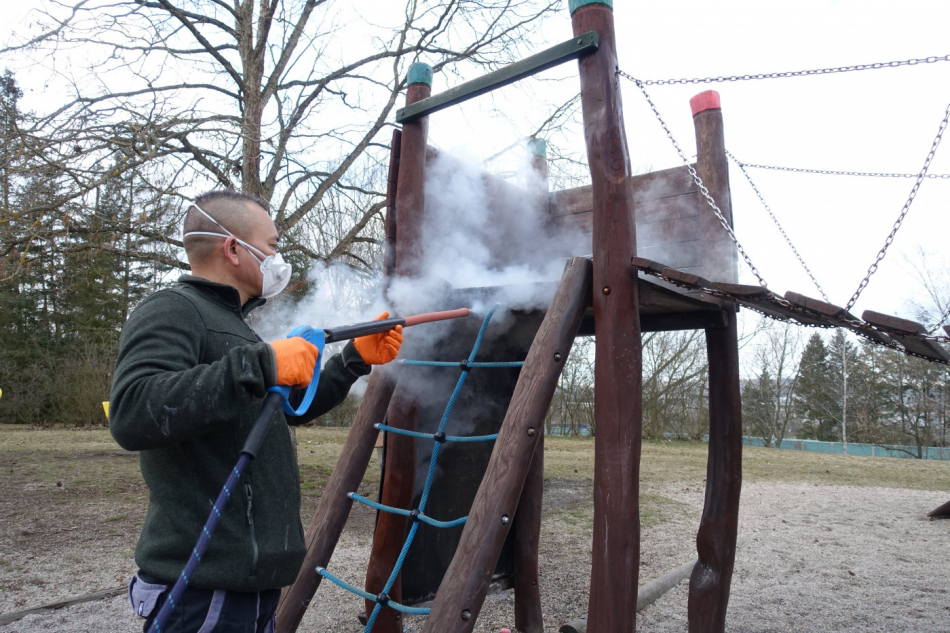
[[84, 461], [64, 487]]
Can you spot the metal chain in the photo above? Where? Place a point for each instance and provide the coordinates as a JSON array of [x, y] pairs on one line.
[[941, 321], [699, 181], [904, 210], [799, 170], [856, 326], [796, 73], [781, 230]]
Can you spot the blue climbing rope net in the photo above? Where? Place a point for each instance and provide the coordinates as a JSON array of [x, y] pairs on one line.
[[418, 515]]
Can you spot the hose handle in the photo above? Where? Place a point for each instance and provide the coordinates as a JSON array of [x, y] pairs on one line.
[[317, 338]]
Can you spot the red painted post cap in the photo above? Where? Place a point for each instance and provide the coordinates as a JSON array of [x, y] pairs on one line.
[[704, 101]]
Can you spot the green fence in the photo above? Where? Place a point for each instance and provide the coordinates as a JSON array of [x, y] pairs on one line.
[[869, 450]]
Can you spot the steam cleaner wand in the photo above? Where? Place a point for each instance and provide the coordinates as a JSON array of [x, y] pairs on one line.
[[280, 396]]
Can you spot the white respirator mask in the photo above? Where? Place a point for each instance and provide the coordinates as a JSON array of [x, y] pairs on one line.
[[275, 270]]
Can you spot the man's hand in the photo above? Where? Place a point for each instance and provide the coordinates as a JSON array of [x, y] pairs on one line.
[[379, 349], [296, 359]]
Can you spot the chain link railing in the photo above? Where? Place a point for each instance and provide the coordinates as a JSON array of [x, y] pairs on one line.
[[904, 210], [699, 181], [781, 230], [794, 73], [829, 172]]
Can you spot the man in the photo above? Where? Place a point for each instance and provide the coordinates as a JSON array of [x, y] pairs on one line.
[[188, 384]]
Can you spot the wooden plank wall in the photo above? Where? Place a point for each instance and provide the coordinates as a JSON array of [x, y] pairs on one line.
[[668, 210]]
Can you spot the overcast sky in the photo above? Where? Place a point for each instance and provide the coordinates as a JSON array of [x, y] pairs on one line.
[[882, 120]]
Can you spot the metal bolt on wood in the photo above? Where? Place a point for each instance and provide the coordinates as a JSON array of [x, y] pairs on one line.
[[557, 357], [606, 290], [466, 615], [505, 520], [531, 431]]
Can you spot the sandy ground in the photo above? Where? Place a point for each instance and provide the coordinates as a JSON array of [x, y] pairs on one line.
[[810, 558]]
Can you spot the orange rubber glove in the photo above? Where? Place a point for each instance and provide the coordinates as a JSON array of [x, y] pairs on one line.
[[379, 349], [296, 359]]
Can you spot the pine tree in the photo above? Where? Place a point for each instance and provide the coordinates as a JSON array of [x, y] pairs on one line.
[[814, 398], [759, 407]]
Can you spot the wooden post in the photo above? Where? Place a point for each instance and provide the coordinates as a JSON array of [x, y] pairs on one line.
[[462, 592], [716, 539], [389, 252], [528, 617], [617, 369], [400, 458], [398, 491], [334, 506], [410, 188], [720, 258]]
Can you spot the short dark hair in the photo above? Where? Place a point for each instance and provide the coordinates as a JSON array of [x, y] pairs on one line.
[[225, 206], [232, 195]]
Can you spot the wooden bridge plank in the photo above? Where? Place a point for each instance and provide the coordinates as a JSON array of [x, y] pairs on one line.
[[893, 324], [742, 291], [923, 347], [816, 305]]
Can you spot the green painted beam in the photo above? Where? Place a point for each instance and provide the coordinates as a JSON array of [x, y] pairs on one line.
[[554, 56]]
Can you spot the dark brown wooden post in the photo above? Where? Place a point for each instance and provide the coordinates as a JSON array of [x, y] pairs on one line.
[[410, 188], [462, 592], [617, 369], [400, 458], [716, 539], [389, 252], [528, 617], [334, 506]]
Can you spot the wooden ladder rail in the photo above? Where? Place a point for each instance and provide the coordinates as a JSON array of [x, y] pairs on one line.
[[462, 592], [334, 507]]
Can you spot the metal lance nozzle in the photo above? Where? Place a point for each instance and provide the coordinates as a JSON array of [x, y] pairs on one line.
[[346, 332]]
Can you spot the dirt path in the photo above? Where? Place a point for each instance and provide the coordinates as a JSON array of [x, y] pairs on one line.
[[810, 558]]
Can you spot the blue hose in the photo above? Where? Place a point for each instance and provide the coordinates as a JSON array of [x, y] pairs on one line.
[[253, 443]]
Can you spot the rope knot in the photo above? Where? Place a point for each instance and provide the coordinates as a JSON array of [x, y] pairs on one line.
[[464, 365], [382, 599], [414, 515], [439, 437]]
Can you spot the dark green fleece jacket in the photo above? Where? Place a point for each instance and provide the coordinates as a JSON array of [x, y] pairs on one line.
[[188, 384]]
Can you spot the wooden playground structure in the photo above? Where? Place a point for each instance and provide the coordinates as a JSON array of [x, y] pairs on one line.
[[618, 293]]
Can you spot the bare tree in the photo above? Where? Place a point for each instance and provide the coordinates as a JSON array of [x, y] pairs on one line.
[[768, 401], [280, 98], [675, 375]]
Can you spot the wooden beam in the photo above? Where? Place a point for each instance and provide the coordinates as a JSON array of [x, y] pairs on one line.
[[410, 189], [462, 592], [13, 616], [389, 253], [618, 364], [334, 507], [940, 512], [528, 615], [716, 539], [398, 491], [400, 458], [554, 56]]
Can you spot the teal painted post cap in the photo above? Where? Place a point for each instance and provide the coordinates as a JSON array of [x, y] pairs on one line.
[[574, 5], [419, 73], [538, 147]]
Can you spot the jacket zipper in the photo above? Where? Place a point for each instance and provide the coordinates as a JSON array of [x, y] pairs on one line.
[[250, 523]]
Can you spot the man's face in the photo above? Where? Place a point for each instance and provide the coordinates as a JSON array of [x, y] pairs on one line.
[[262, 235]]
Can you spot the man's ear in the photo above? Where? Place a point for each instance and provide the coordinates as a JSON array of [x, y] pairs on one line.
[[230, 248]]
